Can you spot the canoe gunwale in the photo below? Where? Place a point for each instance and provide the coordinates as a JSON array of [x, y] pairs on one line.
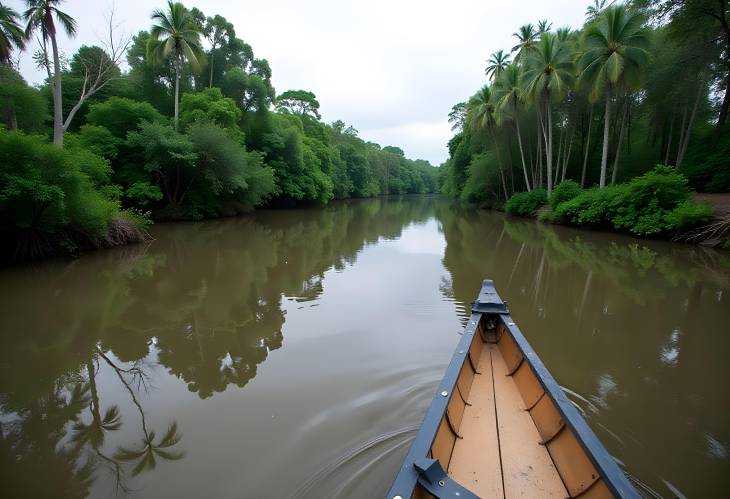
[[489, 305], [407, 478]]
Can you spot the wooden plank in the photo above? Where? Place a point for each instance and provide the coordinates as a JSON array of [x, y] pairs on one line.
[[475, 460], [527, 468]]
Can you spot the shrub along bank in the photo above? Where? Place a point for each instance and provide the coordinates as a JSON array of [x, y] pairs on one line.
[[656, 204]]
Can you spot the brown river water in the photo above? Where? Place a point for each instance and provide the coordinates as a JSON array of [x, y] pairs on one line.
[[293, 353]]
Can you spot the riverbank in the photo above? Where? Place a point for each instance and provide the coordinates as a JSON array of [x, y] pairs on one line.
[[656, 205]]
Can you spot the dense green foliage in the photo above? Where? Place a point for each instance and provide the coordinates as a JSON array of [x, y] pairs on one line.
[[52, 199], [640, 83], [651, 204], [564, 191], [526, 203], [193, 129]]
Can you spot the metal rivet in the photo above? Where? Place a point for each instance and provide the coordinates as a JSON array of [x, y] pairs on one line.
[[461, 351], [397, 497], [441, 483], [444, 393], [511, 324]]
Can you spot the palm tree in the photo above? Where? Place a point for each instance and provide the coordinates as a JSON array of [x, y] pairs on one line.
[[496, 64], [483, 110], [564, 34], [543, 26], [11, 34], [508, 93], [39, 16], [147, 453], [175, 33], [548, 75], [614, 58], [593, 11], [526, 36]]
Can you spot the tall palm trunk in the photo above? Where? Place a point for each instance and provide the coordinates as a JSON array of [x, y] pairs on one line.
[[522, 153], [567, 155], [549, 147], [588, 144], [620, 141], [210, 83], [57, 104], [499, 163], [177, 87], [606, 126]]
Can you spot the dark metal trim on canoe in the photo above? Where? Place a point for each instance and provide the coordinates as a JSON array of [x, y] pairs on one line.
[[408, 475], [489, 303]]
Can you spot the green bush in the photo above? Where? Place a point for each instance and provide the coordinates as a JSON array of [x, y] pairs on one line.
[[526, 203], [654, 203], [590, 208], [48, 200], [689, 214], [564, 191], [121, 115], [208, 106], [99, 140], [642, 205]]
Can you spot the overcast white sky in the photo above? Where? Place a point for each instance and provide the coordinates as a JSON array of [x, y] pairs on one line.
[[390, 68]]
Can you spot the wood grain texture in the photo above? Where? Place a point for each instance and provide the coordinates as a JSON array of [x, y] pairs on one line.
[[527, 468], [475, 461]]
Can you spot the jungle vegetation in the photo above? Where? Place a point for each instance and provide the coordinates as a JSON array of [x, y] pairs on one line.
[[180, 121], [584, 116]]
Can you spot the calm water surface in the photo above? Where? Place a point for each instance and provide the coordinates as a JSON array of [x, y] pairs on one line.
[[293, 353]]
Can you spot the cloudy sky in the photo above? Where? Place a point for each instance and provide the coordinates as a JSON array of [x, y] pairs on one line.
[[390, 68]]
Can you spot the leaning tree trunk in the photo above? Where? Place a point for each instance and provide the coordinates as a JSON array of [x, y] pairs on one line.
[[683, 146], [522, 153], [588, 144], [618, 146], [567, 156], [604, 154], [57, 104]]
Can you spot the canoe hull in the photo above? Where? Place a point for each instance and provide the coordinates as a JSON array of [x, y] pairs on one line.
[[500, 426]]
